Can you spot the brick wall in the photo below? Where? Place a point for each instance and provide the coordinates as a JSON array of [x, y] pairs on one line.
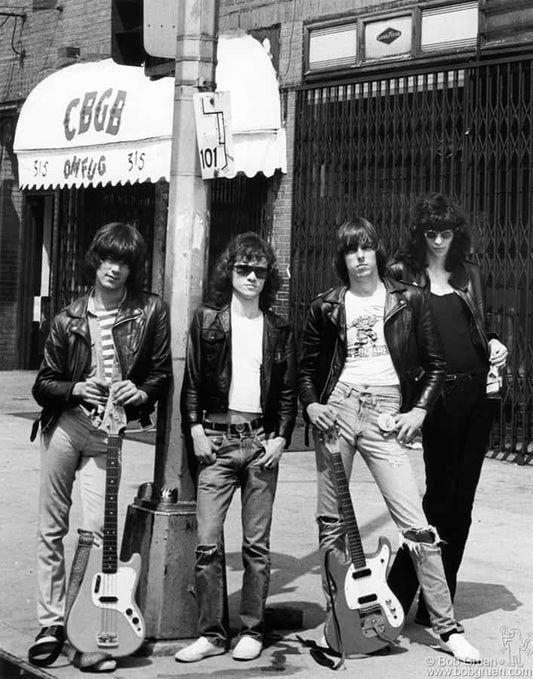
[[290, 15], [42, 36], [10, 235]]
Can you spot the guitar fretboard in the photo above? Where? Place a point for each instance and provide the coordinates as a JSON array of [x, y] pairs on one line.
[[355, 545], [109, 556]]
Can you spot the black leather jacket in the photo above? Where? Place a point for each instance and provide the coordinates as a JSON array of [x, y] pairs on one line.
[[411, 337], [467, 282], [142, 338], [207, 377]]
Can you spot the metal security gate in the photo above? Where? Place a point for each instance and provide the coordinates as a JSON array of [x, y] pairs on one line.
[[370, 147]]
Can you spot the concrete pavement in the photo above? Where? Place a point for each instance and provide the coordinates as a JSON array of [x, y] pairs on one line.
[[494, 598]]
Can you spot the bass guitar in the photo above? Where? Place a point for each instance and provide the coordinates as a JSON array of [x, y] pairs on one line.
[[365, 615], [104, 616]]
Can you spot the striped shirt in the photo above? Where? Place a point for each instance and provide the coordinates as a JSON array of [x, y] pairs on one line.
[[106, 319]]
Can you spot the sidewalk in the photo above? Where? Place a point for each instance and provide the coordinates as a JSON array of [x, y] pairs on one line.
[[494, 598]]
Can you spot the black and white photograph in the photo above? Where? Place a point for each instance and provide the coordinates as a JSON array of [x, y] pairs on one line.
[[266, 338]]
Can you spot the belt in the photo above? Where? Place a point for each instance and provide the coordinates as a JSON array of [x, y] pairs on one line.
[[235, 427], [452, 377]]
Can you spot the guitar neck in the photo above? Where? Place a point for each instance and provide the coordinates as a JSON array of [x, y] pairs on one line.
[[355, 545], [109, 555]]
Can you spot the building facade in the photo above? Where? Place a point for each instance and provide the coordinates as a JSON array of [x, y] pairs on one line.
[[381, 101]]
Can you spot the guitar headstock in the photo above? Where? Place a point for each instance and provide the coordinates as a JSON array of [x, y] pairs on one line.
[[331, 440], [114, 419]]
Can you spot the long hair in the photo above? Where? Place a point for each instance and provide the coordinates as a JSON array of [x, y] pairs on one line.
[[245, 247], [352, 234], [121, 243], [435, 211]]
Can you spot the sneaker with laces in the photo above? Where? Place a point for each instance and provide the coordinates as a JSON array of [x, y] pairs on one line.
[[47, 645], [247, 648], [460, 648], [202, 648]]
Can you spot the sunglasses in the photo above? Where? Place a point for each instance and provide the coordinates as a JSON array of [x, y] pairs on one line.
[[261, 272], [432, 234]]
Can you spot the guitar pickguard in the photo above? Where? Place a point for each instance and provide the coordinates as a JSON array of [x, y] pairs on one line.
[[104, 615], [113, 591], [372, 590]]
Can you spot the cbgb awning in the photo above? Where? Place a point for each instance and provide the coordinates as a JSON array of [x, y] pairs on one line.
[[99, 123]]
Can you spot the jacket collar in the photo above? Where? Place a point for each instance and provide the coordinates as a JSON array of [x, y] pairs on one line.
[[223, 315], [129, 308], [335, 297], [458, 278]]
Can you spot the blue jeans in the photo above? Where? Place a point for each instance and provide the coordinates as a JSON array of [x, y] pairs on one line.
[[358, 409], [74, 447], [237, 465]]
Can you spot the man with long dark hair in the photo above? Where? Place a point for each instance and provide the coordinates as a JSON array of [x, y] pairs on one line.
[[455, 435], [111, 345], [371, 367], [239, 404]]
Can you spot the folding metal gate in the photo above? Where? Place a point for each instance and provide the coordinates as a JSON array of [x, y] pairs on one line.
[[370, 147]]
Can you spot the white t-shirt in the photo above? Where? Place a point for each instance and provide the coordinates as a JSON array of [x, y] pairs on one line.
[[246, 359], [368, 361]]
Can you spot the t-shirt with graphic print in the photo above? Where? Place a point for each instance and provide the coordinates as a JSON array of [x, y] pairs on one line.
[[368, 361]]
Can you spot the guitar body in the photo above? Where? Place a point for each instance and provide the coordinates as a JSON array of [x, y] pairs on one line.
[[104, 616], [369, 615]]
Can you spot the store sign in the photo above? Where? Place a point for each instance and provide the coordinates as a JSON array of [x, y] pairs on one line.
[[213, 133], [389, 36], [94, 124]]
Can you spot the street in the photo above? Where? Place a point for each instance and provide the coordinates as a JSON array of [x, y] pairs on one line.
[[494, 598]]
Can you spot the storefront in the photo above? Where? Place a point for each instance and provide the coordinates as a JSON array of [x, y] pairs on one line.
[[93, 144], [402, 103]]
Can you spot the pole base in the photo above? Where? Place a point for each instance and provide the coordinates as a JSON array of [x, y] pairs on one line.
[[164, 534]]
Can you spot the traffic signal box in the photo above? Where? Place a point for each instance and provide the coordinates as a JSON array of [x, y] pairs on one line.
[[127, 45]]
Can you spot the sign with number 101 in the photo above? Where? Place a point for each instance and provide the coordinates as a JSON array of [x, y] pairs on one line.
[[213, 133]]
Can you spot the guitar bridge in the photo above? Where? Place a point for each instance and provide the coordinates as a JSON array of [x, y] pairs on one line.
[[372, 621], [107, 639]]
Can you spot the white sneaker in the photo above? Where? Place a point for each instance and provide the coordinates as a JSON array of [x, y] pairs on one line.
[[199, 649], [460, 648], [247, 648]]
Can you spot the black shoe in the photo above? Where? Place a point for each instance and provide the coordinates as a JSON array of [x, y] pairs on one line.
[[47, 646]]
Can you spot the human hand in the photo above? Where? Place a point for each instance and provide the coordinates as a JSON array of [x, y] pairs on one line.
[[322, 417], [93, 391], [204, 448], [498, 353], [125, 393], [274, 448], [409, 423]]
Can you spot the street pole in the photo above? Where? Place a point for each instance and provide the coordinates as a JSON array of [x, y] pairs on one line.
[[159, 525]]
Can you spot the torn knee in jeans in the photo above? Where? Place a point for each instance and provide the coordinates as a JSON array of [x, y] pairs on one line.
[[417, 539], [206, 552], [329, 524]]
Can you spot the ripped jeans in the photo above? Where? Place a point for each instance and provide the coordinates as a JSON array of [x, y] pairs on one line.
[[237, 466], [358, 409]]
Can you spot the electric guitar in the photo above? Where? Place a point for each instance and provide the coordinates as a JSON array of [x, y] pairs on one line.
[[365, 616], [104, 616]]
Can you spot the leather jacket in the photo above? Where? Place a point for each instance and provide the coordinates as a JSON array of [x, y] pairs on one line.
[[142, 338], [207, 377], [410, 334], [467, 283]]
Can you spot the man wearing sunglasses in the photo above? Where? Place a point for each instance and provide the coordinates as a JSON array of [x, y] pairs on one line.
[[371, 368], [455, 434], [239, 404]]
